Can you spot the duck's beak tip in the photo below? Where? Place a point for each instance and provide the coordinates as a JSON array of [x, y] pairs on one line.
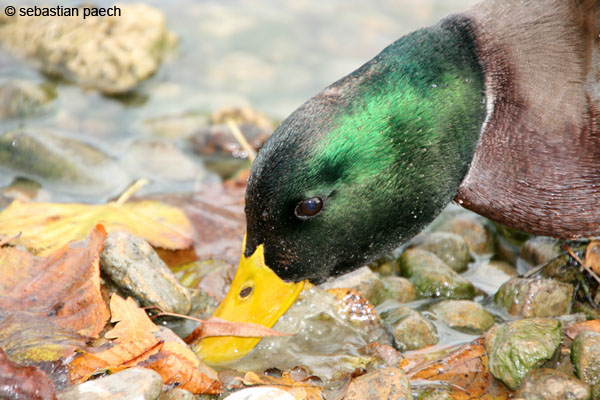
[[257, 295]]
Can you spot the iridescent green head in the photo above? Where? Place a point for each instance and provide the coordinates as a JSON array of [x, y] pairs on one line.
[[368, 162]]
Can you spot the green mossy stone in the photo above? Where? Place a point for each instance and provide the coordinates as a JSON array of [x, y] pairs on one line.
[[515, 348], [535, 297], [411, 330], [464, 315], [585, 355], [449, 247]]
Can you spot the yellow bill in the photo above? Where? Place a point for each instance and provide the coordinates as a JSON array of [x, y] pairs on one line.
[[257, 295]]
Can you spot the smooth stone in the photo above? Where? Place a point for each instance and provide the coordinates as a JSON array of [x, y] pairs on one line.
[[260, 393], [550, 384], [464, 315], [449, 247], [432, 277], [387, 383], [129, 384], [363, 280], [473, 230], [585, 355], [489, 276], [176, 394], [411, 330], [540, 249], [395, 288], [63, 162], [177, 126], [135, 268], [19, 98], [111, 54], [327, 336], [535, 297], [514, 348]]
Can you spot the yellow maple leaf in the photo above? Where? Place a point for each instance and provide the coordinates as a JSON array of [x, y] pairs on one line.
[[46, 227]]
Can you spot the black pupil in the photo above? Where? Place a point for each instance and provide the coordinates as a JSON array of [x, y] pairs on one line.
[[310, 207], [245, 292]]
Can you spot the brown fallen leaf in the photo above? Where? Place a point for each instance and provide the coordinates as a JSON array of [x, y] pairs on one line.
[[465, 372], [214, 326], [136, 340], [47, 227], [63, 288], [592, 256], [574, 330], [19, 382], [300, 390]]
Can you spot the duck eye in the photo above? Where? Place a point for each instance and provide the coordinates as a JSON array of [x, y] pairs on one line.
[[309, 208]]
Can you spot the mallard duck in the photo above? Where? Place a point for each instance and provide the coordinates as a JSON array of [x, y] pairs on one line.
[[497, 108]]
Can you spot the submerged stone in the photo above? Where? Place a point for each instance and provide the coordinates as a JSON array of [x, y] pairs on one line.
[[363, 280], [551, 384], [540, 249], [432, 277], [19, 98], [386, 383], [585, 355], [449, 247], [135, 268], [473, 230], [515, 348], [411, 330], [131, 383], [395, 288], [489, 276], [535, 297], [464, 315]]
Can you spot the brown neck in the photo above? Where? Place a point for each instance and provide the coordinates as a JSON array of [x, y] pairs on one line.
[[537, 163]]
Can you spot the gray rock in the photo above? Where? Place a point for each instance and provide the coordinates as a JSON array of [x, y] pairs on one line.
[[363, 280], [386, 383], [473, 230], [19, 99], [395, 288], [550, 384], [176, 394], [515, 348], [585, 355], [464, 315], [111, 54], [129, 384], [535, 297], [62, 162], [411, 330], [135, 268], [489, 276], [432, 277], [449, 247], [539, 250]]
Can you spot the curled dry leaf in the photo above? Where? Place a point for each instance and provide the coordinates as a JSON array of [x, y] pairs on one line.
[[574, 330], [465, 372], [19, 382], [300, 390], [214, 326], [47, 227], [135, 340], [63, 288], [592, 256]]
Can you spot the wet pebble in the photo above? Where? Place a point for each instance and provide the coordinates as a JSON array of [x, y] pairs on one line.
[[19, 98], [432, 277], [449, 247], [540, 249], [363, 280], [515, 348], [129, 384], [473, 230], [176, 394], [464, 315], [411, 330], [585, 355], [550, 384], [489, 276], [535, 297], [260, 393], [395, 288], [386, 383], [135, 268]]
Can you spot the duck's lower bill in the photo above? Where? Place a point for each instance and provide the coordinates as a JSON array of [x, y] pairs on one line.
[[257, 295]]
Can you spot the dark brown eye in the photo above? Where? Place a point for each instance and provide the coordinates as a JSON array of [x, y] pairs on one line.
[[309, 208], [245, 292]]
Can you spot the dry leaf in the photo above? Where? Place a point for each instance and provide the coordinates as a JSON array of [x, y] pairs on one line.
[[574, 330], [64, 287], [300, 390], [592, 256], [466, 373], [18, 382], [136, 340], [46, 227], [214, 326]]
